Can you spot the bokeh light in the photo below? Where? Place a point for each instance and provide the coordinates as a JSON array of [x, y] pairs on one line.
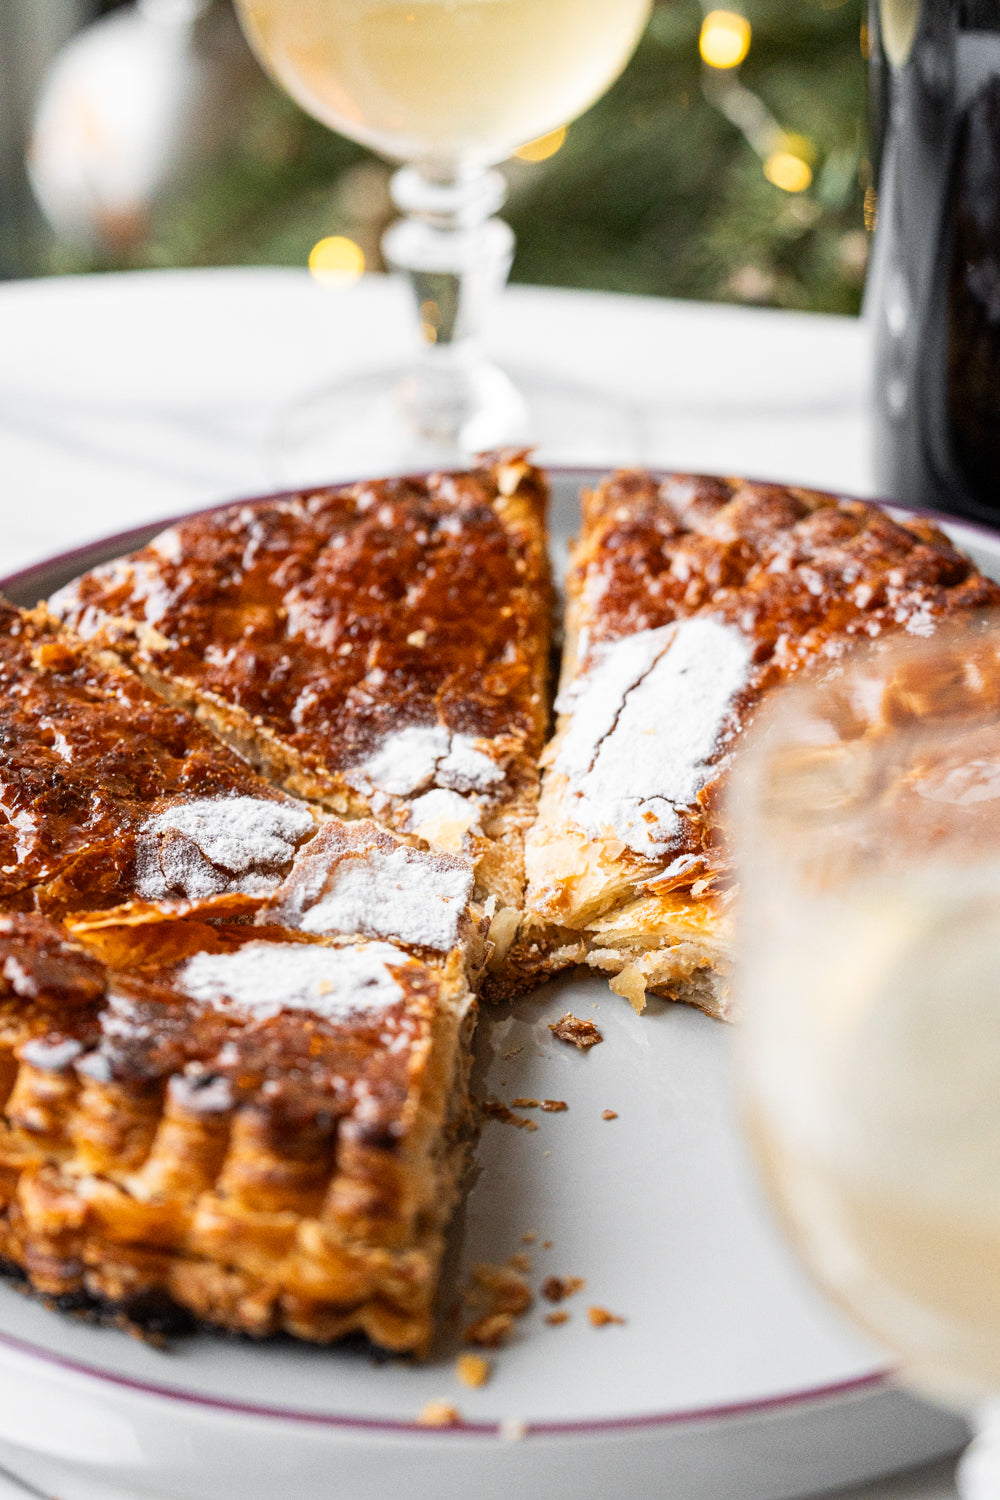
[[725, 39], [788, 171], [543, 146], [336, 261]]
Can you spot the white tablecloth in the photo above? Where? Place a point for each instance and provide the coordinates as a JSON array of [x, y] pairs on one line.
[[127, 398], [124, 398]]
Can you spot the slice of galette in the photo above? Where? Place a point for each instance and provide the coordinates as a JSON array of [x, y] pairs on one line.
[[688, 600], [382, 648], [263, 1130]]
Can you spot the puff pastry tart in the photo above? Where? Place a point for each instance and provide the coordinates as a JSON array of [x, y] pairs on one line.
[[688, 599], [381, 648], [111, 798], [258, 1128]]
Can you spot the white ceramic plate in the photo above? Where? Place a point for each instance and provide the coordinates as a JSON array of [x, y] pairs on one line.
[[729, 1377]]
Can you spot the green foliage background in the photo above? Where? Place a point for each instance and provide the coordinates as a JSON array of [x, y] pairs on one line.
[[654, 191]]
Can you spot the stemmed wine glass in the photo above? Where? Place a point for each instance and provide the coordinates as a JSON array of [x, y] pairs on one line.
[[867, 815], [449, 88]]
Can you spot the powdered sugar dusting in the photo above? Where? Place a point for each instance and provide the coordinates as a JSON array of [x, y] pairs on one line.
[[445, 817], [424, 756], [466, 769], [357, 878], [261, 979], [404, 763], [646, 722], [215, 845], [404, 895]]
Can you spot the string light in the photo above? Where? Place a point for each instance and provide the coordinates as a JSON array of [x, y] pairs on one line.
[[725, 39], [336, 261], [543, 146], [788, 171]]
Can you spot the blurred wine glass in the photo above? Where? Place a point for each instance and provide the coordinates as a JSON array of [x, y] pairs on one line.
[[449, 88], [867, 816]]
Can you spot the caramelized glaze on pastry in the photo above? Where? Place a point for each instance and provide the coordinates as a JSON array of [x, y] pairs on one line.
[[689, 599], [382, 647], [265, 1131], [109, 796]]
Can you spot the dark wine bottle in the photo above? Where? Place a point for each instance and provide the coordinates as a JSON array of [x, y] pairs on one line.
[[934, 288]]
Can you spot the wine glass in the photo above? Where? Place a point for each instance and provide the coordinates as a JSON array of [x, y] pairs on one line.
[[866, 811], [450, 88]]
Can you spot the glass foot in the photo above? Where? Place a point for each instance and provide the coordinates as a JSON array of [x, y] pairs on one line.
[[978, 1475], [386, 422]]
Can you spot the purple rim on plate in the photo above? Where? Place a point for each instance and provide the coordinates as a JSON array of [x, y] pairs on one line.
[[105, 549]]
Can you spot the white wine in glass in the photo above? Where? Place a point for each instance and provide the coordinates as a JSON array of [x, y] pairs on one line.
[[868, 819], [450, 88]]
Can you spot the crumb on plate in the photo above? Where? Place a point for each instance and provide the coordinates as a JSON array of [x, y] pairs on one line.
[[490, 1331], [558, 1288], [599, 1317], [500, 1288], [439, 1414], [495, 1109], [473, 1369], [582, 1034]]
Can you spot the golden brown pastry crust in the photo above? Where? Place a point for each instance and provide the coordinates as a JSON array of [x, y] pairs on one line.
[[264, 1173], [792, 577], [311, 632], [90, 758], [289, 1173]]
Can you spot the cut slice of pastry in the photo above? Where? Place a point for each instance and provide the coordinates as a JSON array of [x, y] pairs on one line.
[[109, 796], [354, 877], [688, 599], [382, 648], [263, 1129]]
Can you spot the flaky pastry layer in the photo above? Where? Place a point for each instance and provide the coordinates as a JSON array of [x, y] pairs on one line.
[[269, 1170], [690, 599]]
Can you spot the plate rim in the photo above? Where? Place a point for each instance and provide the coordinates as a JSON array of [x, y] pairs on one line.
[[875, 1380]]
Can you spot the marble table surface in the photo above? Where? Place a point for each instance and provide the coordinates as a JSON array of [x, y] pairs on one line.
[[129, 398]]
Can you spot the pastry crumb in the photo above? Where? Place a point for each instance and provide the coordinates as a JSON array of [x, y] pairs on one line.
[[582, 1034], [609, 1114], [546, 1244], [501, 1288], [557, 1288], [495, 1109], [512, 1053], [599, 1317], [559, 1315], [524, 1104], [490, 1331], [439, 1414], [417, 638], [529, 1238], [554, 1106], [632, 987], [520, 1262], [473, 1369]]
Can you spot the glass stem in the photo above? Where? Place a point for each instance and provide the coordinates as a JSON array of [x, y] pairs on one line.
[[456, 257], [979, 1469]]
